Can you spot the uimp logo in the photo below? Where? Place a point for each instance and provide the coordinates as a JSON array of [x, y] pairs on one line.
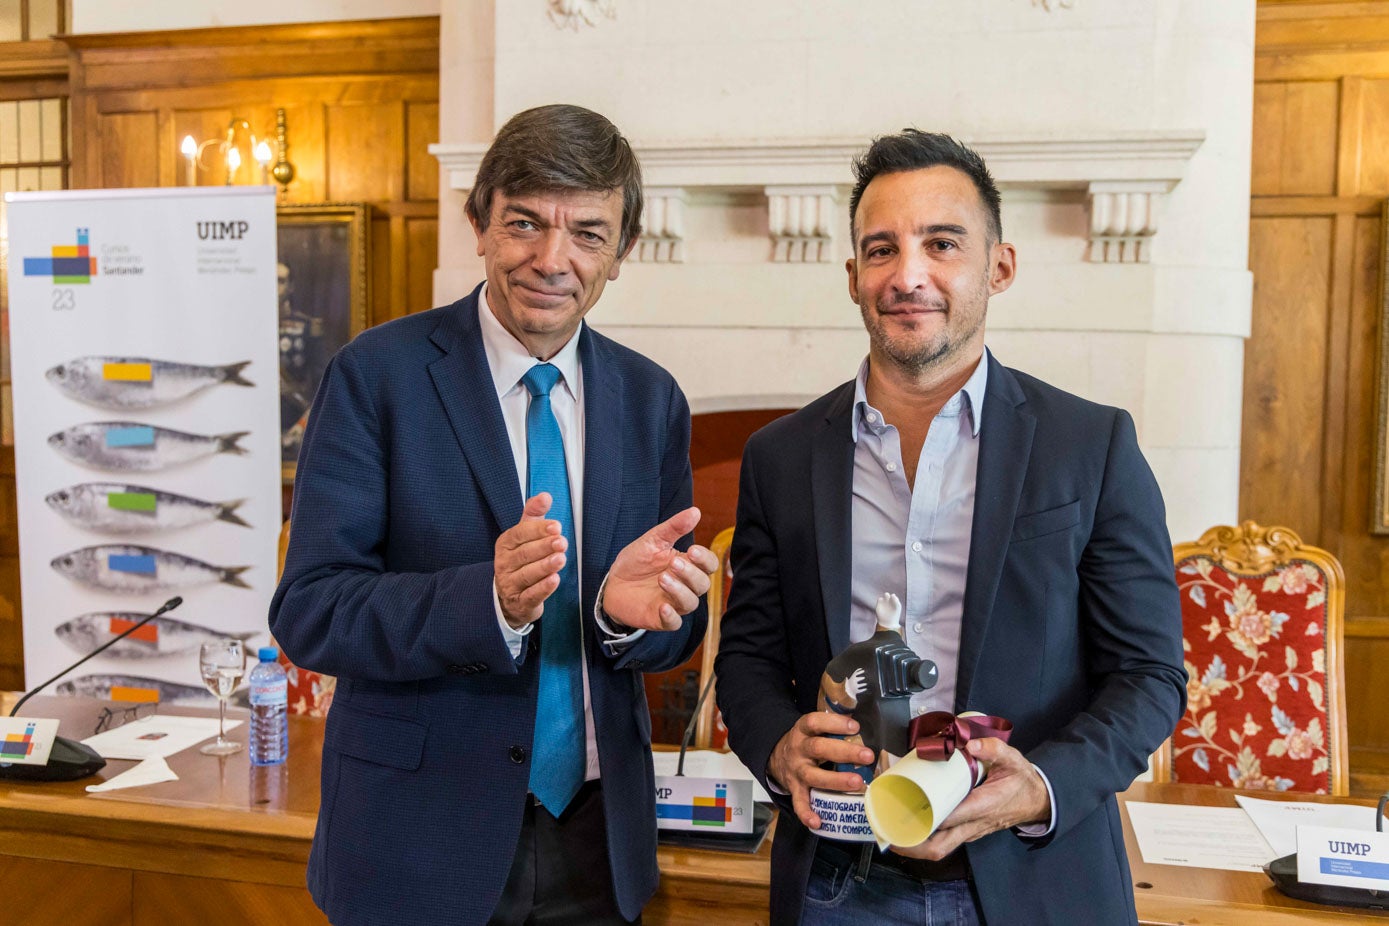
[[69, 263]]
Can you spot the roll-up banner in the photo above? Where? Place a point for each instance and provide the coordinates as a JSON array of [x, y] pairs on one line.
[[143, 327]]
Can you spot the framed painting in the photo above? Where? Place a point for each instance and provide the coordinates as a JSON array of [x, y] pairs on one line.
[[324, 256]]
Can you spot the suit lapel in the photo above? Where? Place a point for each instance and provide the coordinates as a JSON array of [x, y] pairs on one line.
[[831, 500], [603, 457], [1005, 440], [464, 382]]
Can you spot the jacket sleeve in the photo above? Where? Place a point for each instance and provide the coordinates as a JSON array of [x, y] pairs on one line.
[[660, 651], [1130, 618], [755, 687], [338, 609]]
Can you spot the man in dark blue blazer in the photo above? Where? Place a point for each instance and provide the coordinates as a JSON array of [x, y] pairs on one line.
[[490, 510], [1025, 535]]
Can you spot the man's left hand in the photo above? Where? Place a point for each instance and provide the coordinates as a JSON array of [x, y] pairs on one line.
[[1013, 795], [652, 585]]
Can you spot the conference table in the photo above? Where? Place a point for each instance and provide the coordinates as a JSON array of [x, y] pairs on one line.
[[226, 843]]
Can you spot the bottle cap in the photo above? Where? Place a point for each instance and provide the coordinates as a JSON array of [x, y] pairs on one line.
[[268, 654]]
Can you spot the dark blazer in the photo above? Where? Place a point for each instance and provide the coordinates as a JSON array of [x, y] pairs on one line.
[[405, 480], [1071, 627]]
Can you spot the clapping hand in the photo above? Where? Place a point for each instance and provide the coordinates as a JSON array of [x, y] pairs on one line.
[[652, 585]]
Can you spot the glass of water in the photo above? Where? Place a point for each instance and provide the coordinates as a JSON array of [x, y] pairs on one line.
[[222, 664]]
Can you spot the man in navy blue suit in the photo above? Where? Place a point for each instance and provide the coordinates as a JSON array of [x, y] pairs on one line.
[[490, 544], [1023, 532]]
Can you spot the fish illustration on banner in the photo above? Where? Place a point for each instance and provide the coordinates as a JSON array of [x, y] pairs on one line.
[[116, 508], [132, 569], [163, 636], [139, 382], [135, 688], [135, 447]]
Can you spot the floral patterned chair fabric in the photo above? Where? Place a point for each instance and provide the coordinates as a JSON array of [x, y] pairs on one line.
[[1261, 631], [310, 693], [710, 733]]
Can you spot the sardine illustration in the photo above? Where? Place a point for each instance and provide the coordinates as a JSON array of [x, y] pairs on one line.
[[131, 569], [139, 382], [134, 688], [162, 636], [116, 508], [135, 447]]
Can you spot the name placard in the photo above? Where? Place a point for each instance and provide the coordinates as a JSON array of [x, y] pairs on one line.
[[704, 805], [1343, 857], [26, 741]]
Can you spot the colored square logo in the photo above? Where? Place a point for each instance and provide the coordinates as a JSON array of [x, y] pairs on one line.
[[66, 263]]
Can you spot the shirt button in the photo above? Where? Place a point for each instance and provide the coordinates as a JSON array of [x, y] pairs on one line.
[[891, 467], [916, 547], [872, 418], [517, 754], [918, 627]]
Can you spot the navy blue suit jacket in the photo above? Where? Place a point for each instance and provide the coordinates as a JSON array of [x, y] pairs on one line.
[[1071, 627], [405, 480]]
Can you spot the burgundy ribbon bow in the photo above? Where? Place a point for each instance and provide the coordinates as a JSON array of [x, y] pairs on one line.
[[939, 734]]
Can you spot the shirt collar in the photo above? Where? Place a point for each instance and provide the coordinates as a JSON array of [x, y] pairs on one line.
[[969, 400], [508, 359]]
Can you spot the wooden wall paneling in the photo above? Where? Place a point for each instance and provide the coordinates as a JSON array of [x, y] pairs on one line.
[[1372, 175], [422, 250], [82, 895], [368, 145], [1270, 126], [306, 133], [1309, 139], [422, 170], [130, 149], [1363, 555], [383, 301], [187, 57], [1367, 720], [1284, 372], [161, 899], [1334, 376], [400, 266]]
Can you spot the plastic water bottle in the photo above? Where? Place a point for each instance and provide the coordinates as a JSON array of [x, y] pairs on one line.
[[269, 706]]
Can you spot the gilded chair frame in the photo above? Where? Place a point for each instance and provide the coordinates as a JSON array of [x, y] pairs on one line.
[[704, 727], [1252, 550]]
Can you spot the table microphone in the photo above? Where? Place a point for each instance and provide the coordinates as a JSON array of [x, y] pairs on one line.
[[690, 728], [70, 760]]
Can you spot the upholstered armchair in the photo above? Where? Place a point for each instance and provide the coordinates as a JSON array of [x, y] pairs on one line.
[[1261, 629]]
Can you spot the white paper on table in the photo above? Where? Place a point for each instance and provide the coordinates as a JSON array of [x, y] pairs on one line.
[[709, 763], [1198, 837], [149, 772], [159, 735], [1278, 820]]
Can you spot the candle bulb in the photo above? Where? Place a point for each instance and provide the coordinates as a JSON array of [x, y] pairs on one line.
[[233, 164], [190, 156], [263, 156]]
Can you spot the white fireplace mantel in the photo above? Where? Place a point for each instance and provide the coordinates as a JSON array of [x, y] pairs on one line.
[[1126, 177]]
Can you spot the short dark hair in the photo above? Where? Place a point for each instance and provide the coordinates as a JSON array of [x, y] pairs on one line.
[[913, 149], [559, 147]]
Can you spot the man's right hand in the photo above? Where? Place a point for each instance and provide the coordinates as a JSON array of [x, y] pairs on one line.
[[528, 559], [795, 762]]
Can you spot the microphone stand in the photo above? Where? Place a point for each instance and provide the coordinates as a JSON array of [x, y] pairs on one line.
[[165, 608], [69, 760], [690, 727]]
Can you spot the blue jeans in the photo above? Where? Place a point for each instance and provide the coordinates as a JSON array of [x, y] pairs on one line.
[[835, 897]]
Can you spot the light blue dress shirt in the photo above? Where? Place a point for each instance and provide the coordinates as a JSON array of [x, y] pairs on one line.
[[913, 541]]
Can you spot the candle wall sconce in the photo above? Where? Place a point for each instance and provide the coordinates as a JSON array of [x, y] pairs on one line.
[[247, 159]]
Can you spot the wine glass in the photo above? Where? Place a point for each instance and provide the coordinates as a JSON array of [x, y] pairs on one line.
[[222, 664]]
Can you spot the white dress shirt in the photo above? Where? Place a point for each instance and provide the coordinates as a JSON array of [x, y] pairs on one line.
[[509, 361]]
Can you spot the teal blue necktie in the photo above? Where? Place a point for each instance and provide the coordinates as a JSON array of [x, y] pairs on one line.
[[559, 753]]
